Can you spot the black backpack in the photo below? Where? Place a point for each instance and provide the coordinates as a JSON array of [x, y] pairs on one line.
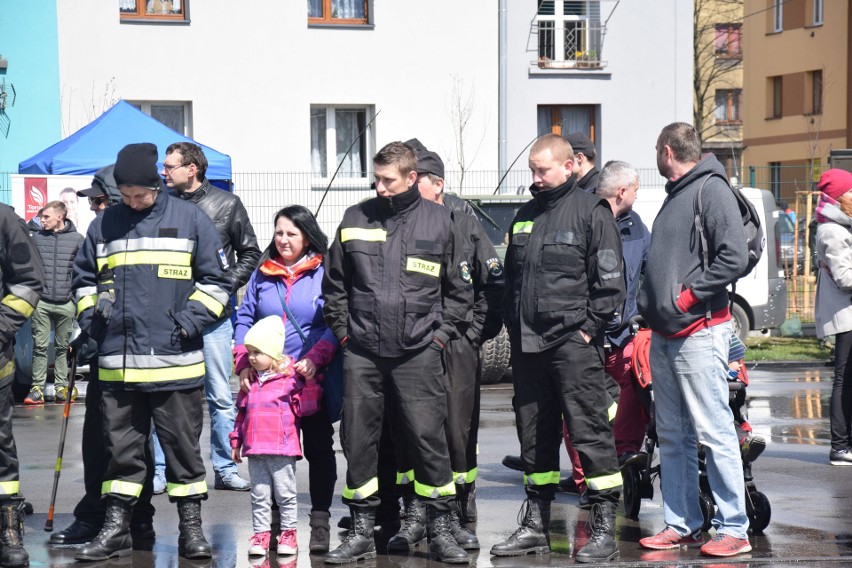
[[755, 239]]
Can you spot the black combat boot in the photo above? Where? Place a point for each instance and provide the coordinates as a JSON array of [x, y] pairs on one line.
[[463, 536], [467, 502], [191, 541], [442, 546], [78, 532], [114, 538], [319, 531], [601, 526], [532, 535], [358, 543], [413, 528], [12, 537]]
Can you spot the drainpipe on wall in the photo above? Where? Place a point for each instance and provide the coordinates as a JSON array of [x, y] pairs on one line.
[[502, 89]]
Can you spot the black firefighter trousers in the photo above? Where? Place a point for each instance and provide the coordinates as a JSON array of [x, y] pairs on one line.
[[414, 385], [9, 481], [178, 417], [567, 380]]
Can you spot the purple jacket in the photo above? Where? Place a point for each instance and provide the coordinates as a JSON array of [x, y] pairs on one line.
[[265, 423], [304, 298]]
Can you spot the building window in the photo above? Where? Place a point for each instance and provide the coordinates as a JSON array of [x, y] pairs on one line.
[[728, 41], [565, 119], [775, 179], [817, 12], [816, 91], [728, 106], [175, 115], [776, 85], [348, 12], [162, 10], [333, 131], [778, 15], [570, 33]]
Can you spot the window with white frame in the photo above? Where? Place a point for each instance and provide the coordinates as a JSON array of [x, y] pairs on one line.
[[569, 33], [339, 136], [818, 12], [778, 15], [177, 115]]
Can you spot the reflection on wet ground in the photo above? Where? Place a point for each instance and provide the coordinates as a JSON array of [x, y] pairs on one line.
[[810, 500]]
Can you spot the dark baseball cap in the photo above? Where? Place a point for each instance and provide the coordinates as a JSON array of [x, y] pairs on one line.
[[581, 144], [102, 184], [430, 163]]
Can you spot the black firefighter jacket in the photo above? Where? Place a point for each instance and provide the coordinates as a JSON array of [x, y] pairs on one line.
[[147, 283], [395, 277], [22, 275], [563, 268]]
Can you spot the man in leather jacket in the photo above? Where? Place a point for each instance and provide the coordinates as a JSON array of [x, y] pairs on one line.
[[184, 170]]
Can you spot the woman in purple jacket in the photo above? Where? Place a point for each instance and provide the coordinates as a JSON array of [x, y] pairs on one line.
[[291, 271]]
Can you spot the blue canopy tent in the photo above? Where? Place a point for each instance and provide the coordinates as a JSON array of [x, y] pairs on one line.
[[97, 144]]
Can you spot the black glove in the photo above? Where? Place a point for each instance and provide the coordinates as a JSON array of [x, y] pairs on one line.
[[186, 325], [85, 347]]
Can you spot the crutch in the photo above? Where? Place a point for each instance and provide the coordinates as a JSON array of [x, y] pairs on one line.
[[72, 372]]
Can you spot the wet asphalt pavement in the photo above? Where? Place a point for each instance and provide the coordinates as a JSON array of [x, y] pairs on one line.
[[810, 524]]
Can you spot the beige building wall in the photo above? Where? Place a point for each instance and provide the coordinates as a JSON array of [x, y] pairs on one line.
[[719, 71], [788, 139]]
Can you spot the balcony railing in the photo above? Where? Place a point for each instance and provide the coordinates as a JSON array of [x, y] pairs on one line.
[[570, 44]]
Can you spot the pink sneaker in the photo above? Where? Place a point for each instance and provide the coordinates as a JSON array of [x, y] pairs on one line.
[[259, 544], [287, 542], [670, 539], [726, 545]]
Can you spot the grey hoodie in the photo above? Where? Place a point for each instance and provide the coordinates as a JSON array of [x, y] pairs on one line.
[[833, 309], [674, 262]]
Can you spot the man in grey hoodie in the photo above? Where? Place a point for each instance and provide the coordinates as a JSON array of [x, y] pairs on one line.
[[684, 299]]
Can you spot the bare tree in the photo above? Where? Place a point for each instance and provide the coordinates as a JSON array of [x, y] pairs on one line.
[[94, 105], [462, 106], [712, 68]]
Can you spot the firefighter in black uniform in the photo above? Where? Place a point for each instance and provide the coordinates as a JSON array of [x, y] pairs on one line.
[[563, 284], [22, 273], [148, 280], [394, 297], [461, 364]]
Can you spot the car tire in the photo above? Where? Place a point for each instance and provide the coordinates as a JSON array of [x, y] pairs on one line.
[[739, 321], [494, 358]]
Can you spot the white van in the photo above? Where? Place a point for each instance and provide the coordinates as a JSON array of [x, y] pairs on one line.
[[760, 299]]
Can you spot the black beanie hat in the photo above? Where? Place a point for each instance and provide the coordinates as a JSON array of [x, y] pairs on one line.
[[137, 165]]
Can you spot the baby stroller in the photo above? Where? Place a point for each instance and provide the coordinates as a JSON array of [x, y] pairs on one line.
[[639, 472]]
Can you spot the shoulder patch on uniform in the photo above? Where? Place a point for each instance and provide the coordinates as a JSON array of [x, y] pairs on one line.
[[19, 253], [223, 259], [607, 260], [464, 268], [495, 267]]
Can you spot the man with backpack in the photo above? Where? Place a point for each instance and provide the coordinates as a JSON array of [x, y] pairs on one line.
[[698, 247]]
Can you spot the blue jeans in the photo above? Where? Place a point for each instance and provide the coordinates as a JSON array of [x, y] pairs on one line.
[[220, 402], [691, 398]]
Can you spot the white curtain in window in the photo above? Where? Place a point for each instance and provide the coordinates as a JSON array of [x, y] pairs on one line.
[[127, 5], [318, 149], [347, 131], [315, 8], [347, 8]]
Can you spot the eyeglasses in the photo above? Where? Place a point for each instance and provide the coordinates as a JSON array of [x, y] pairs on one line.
[[169, 169], [97, 200]]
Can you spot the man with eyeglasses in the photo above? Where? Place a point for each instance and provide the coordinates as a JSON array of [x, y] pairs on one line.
[[184, 170]]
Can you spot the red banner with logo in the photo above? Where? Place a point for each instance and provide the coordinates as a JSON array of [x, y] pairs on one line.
[[35, 196]]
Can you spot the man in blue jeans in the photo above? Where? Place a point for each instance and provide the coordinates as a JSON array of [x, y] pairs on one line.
[[184, 170], [684, 299]]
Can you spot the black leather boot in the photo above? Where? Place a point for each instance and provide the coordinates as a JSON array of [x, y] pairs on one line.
[[413, 528], [114, 538], [463, 536], [601, 526], [358, 543], [12, 537], [531, 536], [191, 541], [442, 545], [78, 532], [319, 531]]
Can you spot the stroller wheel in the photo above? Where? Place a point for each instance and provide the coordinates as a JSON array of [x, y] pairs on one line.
[[759, 512], [632, 491], [708, 509]]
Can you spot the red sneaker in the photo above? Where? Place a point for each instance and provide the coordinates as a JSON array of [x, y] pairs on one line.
[[726, 545], [259, 544], [669, 538], [287, 542]]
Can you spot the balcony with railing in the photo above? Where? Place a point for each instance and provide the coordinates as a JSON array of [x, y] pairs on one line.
[[569, 44]]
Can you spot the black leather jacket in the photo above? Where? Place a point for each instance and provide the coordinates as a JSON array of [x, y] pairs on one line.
[[232, 222]]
